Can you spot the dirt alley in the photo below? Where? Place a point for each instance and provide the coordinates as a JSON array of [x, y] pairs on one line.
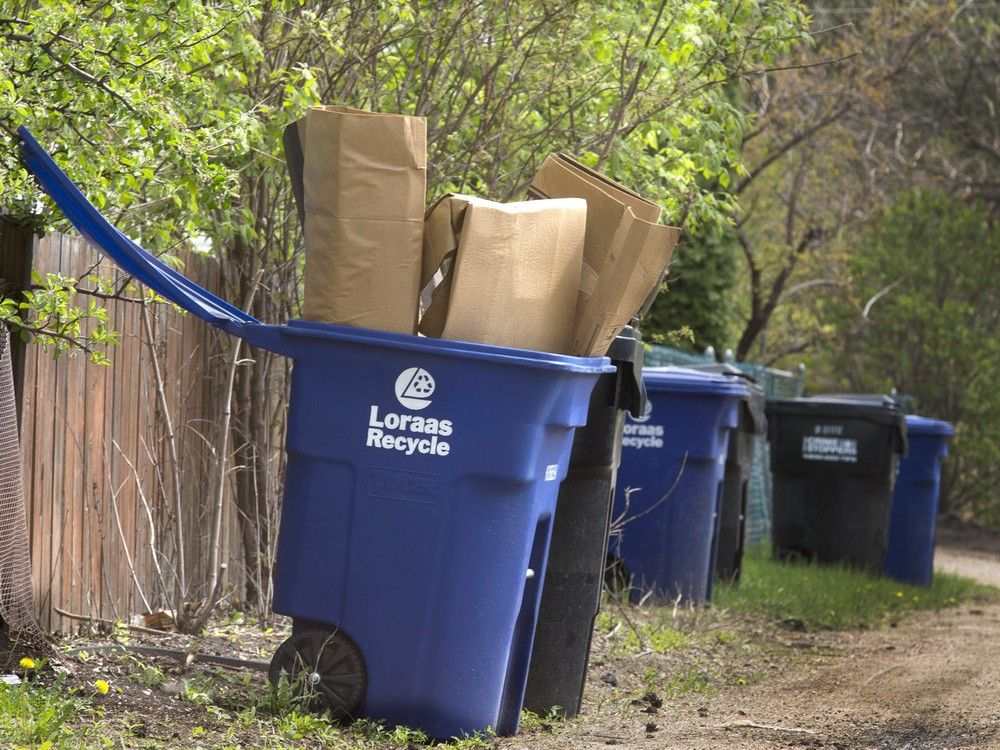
[[931, 683]]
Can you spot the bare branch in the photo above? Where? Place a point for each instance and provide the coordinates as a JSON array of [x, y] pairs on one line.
[[880, 294]]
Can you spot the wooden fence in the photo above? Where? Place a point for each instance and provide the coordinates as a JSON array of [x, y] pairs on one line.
[[98, 472]]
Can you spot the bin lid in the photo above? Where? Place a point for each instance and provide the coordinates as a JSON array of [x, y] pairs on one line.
[[753, 404], [917, 425], [132, 258], [881, 410], [672, 379], [720, 368], [310, 332], [875, 399]]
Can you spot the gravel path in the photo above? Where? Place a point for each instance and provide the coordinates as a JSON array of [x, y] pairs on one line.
[[930, 683], [981, 566]]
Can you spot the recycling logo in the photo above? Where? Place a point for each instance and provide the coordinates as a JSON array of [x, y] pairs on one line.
[[414, 387], [646, 413]]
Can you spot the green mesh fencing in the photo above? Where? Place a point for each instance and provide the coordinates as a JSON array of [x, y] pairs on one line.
[[775, 384], [662, 356]]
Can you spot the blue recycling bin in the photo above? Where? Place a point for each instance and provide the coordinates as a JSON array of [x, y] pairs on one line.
[[909, 556], [421, 483], [666, 513]]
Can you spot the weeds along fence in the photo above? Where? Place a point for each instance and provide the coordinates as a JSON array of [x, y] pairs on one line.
[[121, 469]]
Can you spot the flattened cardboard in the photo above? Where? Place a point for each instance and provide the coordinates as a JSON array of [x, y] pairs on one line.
[[514, 271], [364, 186], [625, 251]]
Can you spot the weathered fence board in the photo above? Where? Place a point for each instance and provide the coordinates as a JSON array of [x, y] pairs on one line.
[[98, 480]]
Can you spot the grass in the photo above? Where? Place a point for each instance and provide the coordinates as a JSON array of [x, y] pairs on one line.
[[47, 714], [659, 636], [690, 680], [822, 597], [142, 672], [33, 715]]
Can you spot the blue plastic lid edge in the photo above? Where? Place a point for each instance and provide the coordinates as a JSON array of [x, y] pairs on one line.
[[132, 258], [919, 425], [306, 329]]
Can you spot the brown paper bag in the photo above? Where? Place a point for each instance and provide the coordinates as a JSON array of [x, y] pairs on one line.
[[364, 185], [511, 271], [625, 252]]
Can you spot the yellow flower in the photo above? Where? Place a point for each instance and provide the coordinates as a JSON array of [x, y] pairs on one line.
[[27, 663], [102, 686], [899, 594]]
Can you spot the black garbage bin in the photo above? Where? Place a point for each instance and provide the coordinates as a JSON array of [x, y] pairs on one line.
[[834, 461], [571, 594], [730, 528]]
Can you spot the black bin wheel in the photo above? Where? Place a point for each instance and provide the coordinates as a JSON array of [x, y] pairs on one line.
[[325, 669]]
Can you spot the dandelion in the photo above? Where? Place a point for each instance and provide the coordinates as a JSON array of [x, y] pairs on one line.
[[899, 594], [27, 663], [102, 686]]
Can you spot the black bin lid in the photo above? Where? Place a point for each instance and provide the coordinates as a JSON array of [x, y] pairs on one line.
[[877, 409]]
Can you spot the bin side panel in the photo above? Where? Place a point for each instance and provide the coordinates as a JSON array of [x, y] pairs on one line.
[[574, 576], [440, 634], [314, 541], [806, 443], [732, 512], [433, 585], [833, 518], [909, 555], [669, 550], [833, 485], [674, 490]]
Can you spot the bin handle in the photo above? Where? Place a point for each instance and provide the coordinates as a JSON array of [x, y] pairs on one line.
[[128, 255]]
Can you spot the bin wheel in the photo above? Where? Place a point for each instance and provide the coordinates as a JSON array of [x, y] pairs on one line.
[[325, 669]]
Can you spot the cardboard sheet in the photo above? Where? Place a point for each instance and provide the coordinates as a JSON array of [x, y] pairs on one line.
[[511, 271], [364, 185], [626, 250]]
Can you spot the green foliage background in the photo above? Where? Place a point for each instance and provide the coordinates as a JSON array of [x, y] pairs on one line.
[[935, 333], [699, 292], [123, 92], [168, 113]]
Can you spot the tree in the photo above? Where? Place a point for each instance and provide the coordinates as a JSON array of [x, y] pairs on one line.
[[125, 95], [939, 123], [926, 321], [699, 294], [864, 113], [122, 92]]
